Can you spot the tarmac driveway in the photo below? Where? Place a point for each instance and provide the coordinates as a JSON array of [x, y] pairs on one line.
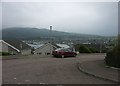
[[48, 70]]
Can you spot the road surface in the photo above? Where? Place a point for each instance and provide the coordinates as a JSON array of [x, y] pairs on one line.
[[48, 70]]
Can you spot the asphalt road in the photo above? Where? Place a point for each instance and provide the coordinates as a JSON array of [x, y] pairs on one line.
[[48, 70]]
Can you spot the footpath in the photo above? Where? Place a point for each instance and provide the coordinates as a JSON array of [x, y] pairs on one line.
[[98, 69]]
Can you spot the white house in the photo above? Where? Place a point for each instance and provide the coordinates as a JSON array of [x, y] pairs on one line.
[[46, 49], [14, 47], [6, 47]]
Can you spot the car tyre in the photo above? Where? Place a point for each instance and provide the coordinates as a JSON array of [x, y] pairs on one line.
[[74, 55], [62, 56]]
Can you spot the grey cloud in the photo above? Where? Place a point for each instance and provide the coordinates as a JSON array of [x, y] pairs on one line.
[[88, 17]]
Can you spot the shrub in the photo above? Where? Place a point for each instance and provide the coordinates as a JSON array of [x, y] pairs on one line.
[[0, 53], [93, 50], [112, 58], [5, 53], [87, 49], [84, 49]]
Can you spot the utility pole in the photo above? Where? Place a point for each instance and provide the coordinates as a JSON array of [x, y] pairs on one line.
[[101, 47], [21, 48], [51, 40]]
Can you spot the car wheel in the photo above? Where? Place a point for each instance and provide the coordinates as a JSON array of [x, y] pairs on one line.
[[62, 56], [74, 55]]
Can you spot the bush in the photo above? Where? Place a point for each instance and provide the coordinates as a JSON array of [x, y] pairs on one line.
[[87, 49], [93, 50], [112, 58], [5, 53], [0, 53], [84, 49]]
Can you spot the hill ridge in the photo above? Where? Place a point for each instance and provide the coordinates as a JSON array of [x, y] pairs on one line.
[[33, 32]]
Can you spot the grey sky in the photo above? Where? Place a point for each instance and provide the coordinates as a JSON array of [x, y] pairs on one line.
[[100, 18], [0, 20]]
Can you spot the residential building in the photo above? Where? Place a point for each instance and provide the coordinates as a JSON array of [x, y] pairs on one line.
[[46, 49], [15, 47]]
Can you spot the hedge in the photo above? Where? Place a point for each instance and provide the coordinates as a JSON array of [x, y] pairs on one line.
[[112, 58], [4, 53], [84, 49]]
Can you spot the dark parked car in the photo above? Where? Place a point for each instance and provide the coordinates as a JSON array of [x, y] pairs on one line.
[[61, 52]]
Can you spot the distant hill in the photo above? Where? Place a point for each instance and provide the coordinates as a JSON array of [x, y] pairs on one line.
[[31, 33]]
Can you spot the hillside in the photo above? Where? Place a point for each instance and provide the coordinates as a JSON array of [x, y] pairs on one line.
[[31, 33]]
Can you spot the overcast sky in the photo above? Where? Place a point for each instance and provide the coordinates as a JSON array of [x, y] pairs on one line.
[[100, 18]]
